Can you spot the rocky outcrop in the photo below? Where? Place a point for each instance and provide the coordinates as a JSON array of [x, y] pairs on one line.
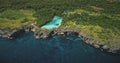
[[73, 32], [14, 33], [43, 34], [63, 32], [11, 33], [115, 49], [17, 33], [6, 33]]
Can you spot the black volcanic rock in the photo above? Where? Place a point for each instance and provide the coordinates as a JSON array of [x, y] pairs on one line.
[[43, 34], [17, 33]]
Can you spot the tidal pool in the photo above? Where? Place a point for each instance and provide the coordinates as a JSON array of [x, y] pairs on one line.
[[55, 23]]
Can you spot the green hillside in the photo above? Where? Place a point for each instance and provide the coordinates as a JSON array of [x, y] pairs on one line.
[[16, 18], [99, 19]]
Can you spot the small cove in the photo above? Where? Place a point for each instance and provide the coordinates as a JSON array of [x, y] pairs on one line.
[[69, 49]]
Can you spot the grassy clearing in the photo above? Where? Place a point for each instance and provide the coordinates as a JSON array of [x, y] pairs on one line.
[[16, 18]]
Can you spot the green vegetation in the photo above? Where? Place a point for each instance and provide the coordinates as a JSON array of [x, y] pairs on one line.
[[16, 18], [99, 19], [100, 26]]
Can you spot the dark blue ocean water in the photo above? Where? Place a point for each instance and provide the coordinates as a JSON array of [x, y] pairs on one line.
[[27, 49]]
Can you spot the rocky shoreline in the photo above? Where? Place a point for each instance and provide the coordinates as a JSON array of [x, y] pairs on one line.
[[44, 34]]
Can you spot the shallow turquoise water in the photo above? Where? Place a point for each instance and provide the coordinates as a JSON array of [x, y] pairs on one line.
[[55, 23], [69, 49]]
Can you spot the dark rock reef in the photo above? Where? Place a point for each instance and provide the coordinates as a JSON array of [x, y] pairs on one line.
[[10, 33], [73, 32], [44, 34], [14, 33]]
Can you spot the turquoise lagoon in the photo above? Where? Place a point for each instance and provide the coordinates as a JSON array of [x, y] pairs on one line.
[[55, 23]]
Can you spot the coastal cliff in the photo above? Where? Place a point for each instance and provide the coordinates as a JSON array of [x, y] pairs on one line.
[[96, 23], [73, 32], [45, 34]]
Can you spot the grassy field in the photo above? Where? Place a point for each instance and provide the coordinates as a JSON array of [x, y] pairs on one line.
[[99, 19], [16, 18]]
